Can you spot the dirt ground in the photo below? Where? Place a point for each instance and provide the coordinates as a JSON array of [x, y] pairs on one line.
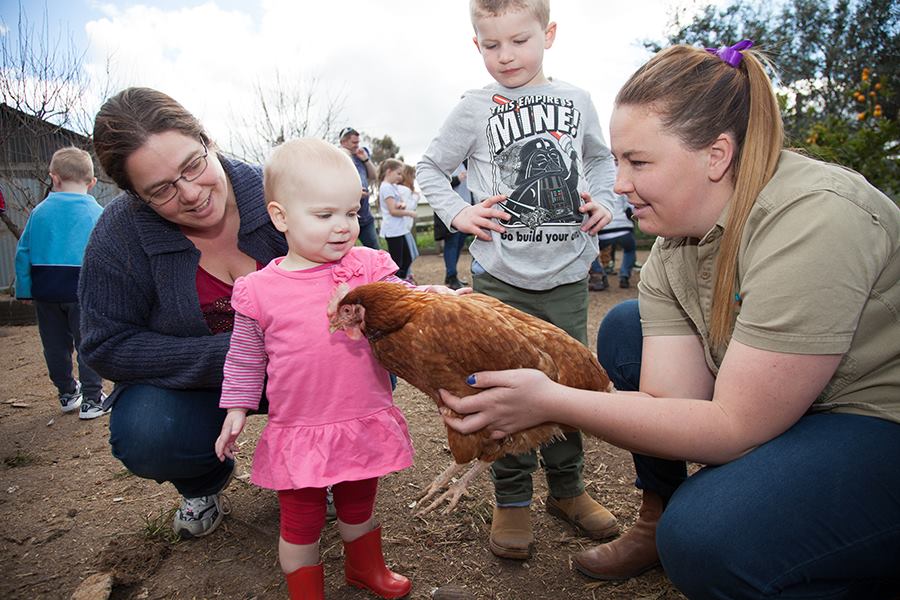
[[69, 510]]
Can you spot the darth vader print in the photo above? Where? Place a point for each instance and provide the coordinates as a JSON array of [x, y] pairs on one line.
[[545, 190], [534, 161]]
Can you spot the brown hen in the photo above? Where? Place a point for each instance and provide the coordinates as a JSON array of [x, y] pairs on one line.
[[436, 341]]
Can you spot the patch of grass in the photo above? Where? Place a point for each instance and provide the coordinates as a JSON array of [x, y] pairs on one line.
[[159, 526], [19, 459], [123, 474], [425, 240]]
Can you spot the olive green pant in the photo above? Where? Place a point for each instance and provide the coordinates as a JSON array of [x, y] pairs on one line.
[[566, 307]]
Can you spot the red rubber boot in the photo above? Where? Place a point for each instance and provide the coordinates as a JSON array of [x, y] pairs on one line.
[[364, 567], [306, 583]]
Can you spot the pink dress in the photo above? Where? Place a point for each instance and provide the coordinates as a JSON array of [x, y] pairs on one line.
[[332, 417]]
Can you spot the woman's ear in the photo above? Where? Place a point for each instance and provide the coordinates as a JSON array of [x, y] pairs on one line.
[[721, 155], [278, 216]]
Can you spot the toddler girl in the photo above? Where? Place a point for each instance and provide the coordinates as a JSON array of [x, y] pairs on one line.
[[332, 420]]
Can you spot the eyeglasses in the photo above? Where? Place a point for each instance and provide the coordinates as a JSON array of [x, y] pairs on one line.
[[166, 192]]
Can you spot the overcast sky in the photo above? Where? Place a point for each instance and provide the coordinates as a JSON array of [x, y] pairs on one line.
[[400, 65]]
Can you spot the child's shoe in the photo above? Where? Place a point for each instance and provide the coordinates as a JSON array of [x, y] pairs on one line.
[[597, 282], [455, 283], [71, 401], [364, 567], [330, 510], [624, 282], [91, 409], [306, 583]]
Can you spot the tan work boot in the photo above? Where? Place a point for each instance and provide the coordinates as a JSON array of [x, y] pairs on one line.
[[586, 514], [631, 554], [511, 535]]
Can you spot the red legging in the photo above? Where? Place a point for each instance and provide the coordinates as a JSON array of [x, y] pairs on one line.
[[303, 510]]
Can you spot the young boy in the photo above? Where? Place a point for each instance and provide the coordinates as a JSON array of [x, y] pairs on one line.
[[48, 262], [537, 161]]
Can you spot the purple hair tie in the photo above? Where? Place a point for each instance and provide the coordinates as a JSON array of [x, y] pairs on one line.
[[731, 54]]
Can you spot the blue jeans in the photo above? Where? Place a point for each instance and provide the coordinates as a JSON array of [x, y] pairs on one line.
[[629, 254], [60, 330], [170, 435], [368, 236], [813, 513], [453, 245]]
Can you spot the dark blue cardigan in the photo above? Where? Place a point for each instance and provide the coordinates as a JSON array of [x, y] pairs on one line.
[[141, 319]]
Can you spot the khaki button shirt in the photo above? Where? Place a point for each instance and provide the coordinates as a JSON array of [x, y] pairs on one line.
[[818, 273]]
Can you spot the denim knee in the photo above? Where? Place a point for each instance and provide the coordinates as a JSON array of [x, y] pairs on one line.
[[168, 435], [697, 555], [619, 345]]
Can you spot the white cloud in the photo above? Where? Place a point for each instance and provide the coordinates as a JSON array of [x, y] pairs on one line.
[[401, 64]]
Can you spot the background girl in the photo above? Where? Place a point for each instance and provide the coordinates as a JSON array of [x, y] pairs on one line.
[[410, 199], [393, 212]]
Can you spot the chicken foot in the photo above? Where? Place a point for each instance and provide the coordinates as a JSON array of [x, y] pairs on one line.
[[455, 490]]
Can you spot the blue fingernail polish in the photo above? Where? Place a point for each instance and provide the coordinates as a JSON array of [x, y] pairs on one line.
[[470, 380]]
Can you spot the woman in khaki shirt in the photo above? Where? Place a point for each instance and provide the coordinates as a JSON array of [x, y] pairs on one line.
[[765, 344]]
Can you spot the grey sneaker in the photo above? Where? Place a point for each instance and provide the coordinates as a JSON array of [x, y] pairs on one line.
[[200, 516], [330, 511], [70, 402], [91, 409]]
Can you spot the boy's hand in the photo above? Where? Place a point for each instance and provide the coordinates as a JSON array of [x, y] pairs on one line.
[[234, 423], [598, 216], [477, 219]]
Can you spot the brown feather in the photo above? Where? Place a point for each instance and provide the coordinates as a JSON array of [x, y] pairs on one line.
[[436, 341]]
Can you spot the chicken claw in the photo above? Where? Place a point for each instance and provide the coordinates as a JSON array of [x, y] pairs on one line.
[[455, 490]]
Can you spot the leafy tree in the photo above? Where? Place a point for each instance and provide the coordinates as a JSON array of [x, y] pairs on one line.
[[821, 50], [868, 143], [382, 148]]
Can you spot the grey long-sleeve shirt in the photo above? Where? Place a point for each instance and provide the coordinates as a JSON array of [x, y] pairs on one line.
[[541, 146]]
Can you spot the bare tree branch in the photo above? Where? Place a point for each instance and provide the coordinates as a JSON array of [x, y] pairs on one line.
[[44, 90], [283, 111]]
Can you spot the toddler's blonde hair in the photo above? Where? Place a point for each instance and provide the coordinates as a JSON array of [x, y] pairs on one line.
[[539, 9], [296, 163], [72, 164]]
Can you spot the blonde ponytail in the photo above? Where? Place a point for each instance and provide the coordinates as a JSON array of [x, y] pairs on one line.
[[754, 168]]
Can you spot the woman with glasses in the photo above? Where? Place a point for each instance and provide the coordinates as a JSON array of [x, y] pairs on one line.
[[155, 291]]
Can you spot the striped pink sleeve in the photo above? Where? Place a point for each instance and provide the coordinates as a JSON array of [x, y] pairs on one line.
[[245, 365]]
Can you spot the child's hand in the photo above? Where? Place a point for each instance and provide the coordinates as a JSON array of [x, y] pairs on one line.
[[231, 429], [443, 289], [477, 219], [599, 216]]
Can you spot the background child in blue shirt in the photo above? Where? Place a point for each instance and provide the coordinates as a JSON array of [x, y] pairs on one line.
[[48, 263]]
